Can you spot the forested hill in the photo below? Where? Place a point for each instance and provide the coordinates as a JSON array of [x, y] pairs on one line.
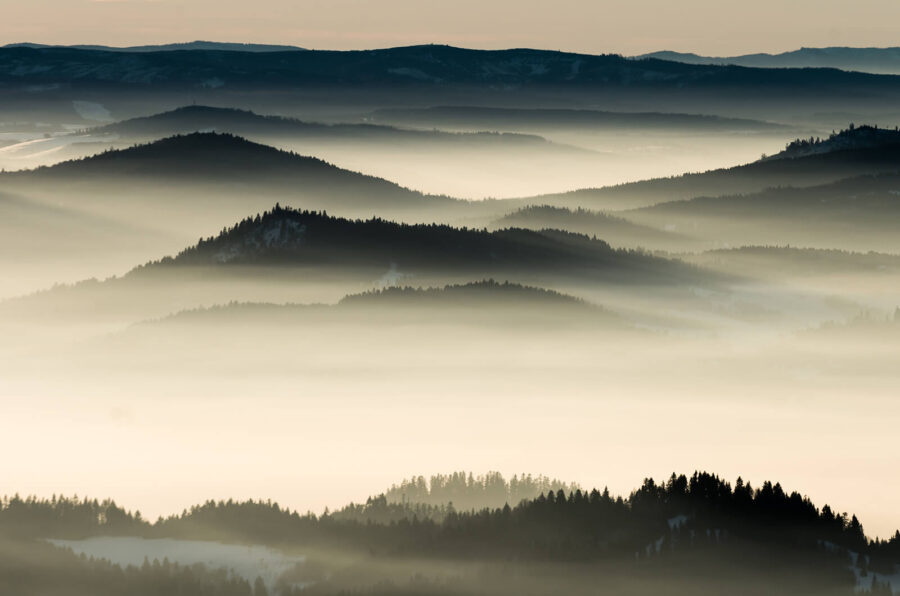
[[683, 512], [198, 118], [807, 164], [480, 293], [287, 236], [615, 230], [849, 139], [466, 491], [205, 169], [203, 157]]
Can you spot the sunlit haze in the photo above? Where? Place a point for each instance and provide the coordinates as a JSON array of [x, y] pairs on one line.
[[628, 27]]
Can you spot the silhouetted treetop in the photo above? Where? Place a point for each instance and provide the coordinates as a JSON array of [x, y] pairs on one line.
[[285, 236], [850, 138]]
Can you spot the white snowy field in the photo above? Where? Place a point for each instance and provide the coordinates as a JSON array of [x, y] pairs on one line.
[[247, 561]]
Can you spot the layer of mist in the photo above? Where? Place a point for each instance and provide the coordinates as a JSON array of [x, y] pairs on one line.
[[241, 283]]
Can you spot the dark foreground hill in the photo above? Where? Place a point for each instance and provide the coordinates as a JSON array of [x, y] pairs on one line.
[[695, 535]]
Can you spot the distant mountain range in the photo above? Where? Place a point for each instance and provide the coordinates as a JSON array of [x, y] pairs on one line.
[[170, 47], [873, 60], [430, 65], [245, 123], [65, 86]]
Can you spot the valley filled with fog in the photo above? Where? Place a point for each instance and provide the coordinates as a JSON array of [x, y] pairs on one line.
[[330, 273]]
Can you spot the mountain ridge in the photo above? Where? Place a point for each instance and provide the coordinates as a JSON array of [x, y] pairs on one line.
[[201, 118], [409, 65], [876, 60], [791, 167], [168, 47]]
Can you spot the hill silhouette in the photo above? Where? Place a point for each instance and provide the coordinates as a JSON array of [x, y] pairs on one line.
[[793, 261], [132, 83], [286, 236], [617, 231], [486, 305], [221, 166], [197, 156], [559, 119], [298, 256], [873, 60], [850, 139], [170, 47], [413, 65], [691, 535], [857, 214], [245, 123], [463, 294], [848, 154]]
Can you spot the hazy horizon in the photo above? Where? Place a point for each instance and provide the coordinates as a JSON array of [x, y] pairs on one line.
[[570, 25]]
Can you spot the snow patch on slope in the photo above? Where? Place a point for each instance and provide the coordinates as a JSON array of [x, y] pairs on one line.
[[248, 562], [90, 110], [283, 233]]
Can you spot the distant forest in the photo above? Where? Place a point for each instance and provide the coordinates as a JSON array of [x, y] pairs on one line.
[[468, 492], [853, 137], [562, 522], [36, 568], [468, 294], [291, 237], [670, 527]]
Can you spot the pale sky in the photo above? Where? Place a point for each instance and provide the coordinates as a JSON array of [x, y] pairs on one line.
[[713, 27]]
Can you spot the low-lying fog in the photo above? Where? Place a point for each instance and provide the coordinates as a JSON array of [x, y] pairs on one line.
[[553, 161], [315, 405], [248, 562], [165, 388]]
